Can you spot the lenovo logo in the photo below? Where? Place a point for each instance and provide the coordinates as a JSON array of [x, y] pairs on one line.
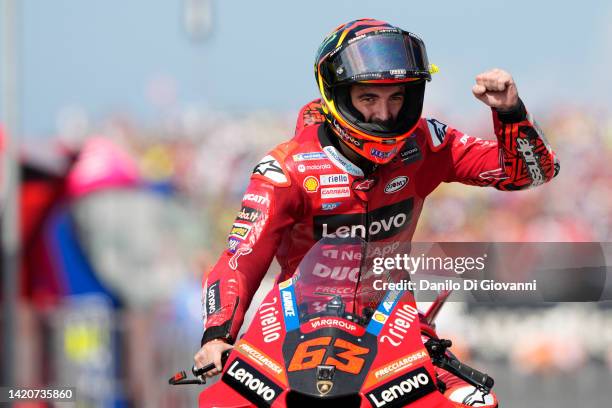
[[403, 390], [378, 224]]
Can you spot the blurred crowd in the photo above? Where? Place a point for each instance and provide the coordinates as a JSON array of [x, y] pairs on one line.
[[144, 235]]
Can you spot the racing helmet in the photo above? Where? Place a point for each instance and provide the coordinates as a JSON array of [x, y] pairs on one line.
[[369, 51]]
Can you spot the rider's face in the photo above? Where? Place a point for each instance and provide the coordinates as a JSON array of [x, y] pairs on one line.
[[378, 103]]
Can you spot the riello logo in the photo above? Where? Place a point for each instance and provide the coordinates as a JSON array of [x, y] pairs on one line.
[[378, 224]]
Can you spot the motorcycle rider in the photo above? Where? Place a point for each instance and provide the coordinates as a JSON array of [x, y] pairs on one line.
[[361, 163]]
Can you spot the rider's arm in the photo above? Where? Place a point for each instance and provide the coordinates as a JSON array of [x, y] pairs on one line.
[[267, 210], [520, 157]]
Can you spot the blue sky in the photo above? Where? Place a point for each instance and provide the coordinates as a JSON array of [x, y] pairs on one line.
[[103, 55]]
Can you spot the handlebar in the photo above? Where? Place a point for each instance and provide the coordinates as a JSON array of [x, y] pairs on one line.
[[437, 351], [180, 378]]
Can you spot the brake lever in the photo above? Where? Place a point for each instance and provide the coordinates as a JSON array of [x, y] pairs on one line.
[[437, 351], [180, 378]]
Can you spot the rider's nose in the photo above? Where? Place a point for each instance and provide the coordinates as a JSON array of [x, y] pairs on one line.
[[383, 113]]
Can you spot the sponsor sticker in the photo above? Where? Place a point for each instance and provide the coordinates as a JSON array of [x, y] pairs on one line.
[[268, 318], [233, 262], [342, 162], [364, 185], [302, 168], [410, 152], [382, 155], [232, 244], [437, 131], [332, 322], [262, 359], [330, 206], [256, 198], [270, 169], [251, 384], [213, 298], [334, 179], [382, 223], [335, 192], [525, 148], [248, 214], [309, 156], [394, 367], [240, 230], [396, 184], [403, 390], [289, 306], [311, 184]]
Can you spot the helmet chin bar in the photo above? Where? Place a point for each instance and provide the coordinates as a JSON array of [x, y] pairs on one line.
[[407, 118]]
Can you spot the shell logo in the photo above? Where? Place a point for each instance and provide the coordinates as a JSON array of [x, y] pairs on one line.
[[311, 184]]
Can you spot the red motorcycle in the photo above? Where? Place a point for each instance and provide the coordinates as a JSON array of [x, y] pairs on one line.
[[326, 337]]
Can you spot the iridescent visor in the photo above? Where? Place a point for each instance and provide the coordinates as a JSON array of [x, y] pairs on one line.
[[381, 56]]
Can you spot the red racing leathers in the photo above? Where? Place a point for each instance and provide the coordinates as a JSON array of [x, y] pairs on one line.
[[305, 189]]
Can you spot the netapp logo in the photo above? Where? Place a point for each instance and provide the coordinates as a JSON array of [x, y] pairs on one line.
[[403, 390], [526, 150], [375, 225], [251, 384]]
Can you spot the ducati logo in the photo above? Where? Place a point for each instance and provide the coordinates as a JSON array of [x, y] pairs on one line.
[[324, 387]]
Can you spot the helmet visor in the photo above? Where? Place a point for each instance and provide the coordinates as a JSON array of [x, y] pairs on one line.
[[382, 55]]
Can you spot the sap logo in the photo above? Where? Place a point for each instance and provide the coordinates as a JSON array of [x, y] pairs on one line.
[[251, 383], [403, 390], [396, 184], [378, 224], [338, 273], [270, 325], [288, 303], [329, 206], [526, 150], [403, 319]]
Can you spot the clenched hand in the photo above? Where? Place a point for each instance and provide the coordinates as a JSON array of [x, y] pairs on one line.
[[496, 88]]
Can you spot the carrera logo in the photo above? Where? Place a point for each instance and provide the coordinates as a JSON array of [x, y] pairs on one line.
[[403, 390], [382, 223], [396, 184], [526, 150], [251, 384], [335, 192], [334, 179]]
